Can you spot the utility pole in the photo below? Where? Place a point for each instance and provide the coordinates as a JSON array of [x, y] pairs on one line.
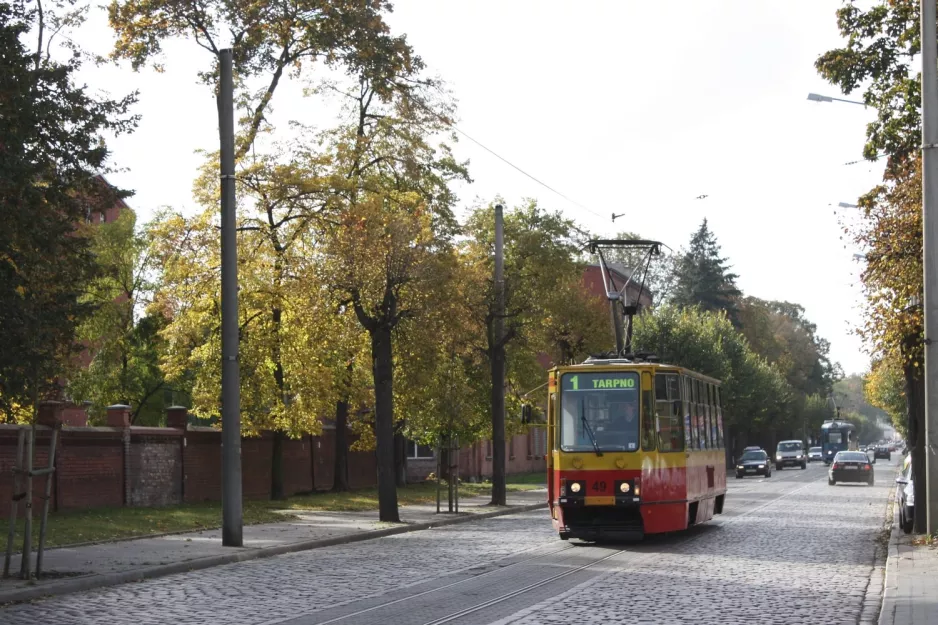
[[930, 261], [232, 521], [498, 367]]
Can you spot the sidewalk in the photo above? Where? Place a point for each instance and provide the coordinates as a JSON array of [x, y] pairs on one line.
[[73, 569], [910, 596]]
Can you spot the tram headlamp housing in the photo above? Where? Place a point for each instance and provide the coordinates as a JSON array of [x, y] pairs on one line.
[[575, 487], [625, 487]]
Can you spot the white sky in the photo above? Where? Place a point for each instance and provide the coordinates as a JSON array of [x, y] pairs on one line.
[[624, 106]]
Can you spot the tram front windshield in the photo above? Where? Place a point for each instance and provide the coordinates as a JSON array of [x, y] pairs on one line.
[[599, 411]]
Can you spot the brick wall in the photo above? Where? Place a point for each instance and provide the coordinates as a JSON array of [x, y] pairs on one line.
[[155, 464], [141, 466], [89, 468]]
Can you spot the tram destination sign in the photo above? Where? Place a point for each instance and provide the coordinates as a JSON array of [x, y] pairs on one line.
[[608, 381]]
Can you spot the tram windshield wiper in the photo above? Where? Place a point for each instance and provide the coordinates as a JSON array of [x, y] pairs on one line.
[[589, 430]]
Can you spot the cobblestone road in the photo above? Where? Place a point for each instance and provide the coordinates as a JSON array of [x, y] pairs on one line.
[[790, 549]]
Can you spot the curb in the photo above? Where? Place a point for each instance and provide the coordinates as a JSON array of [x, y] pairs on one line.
[[89, 582], [890, 574]]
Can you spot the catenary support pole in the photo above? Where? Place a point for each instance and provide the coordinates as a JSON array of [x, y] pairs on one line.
[[498, 367], [930, 233], [232, 522]]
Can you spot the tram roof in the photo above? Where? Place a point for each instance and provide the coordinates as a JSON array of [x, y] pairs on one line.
[[837, 425], [628, 363]]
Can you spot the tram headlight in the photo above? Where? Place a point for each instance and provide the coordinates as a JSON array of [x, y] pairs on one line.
[[575, 487], [624, 487]]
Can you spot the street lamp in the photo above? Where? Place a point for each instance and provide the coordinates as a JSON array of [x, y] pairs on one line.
[[816, 97], [847, 205]]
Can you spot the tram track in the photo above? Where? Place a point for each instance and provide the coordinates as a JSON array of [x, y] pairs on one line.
[[639, 552]]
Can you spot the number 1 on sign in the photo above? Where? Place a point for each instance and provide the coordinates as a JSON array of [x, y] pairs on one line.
[[575, 381]]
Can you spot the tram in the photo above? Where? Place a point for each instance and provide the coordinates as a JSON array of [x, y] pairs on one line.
[[837, 436], [636, 446], [637, 449]]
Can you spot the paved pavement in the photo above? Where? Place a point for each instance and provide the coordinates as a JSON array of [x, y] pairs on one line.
[[80, 568], [911, 593], [790, 549]]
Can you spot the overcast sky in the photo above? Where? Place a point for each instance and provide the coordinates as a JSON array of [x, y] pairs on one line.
[[622, 106]]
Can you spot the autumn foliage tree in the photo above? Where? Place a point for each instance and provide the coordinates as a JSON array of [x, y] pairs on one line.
[[879, 59], [50, 165]]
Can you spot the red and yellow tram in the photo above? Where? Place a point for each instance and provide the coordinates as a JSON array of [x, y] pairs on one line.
[[636, 448]]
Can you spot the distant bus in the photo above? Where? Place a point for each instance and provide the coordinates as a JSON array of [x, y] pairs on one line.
[[837, 436]]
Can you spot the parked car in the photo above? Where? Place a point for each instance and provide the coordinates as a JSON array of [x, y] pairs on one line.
[[850, 466], [815, 453], [905, 494], [882, 452], [790, 454], [754, 462]]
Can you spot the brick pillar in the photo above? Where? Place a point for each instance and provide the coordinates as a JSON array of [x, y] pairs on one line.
[[50, 413], [177, 417], [118, 416]]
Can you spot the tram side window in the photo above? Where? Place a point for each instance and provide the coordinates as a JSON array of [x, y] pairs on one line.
[[670, 419], [648, 412], [701, 414], [719, 396], [712, 417], [688, 428], [694, 414]]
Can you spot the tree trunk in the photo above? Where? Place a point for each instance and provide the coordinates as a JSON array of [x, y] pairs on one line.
[[340, 481], [276, 467], [400, 457], [498, 425], [444, 461], [915, 401], [276, 457], [382, 369]]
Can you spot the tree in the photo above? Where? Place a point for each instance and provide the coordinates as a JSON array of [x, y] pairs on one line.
[[703, 277], [268, 39], [391, 231], [885, 388], [51, 159], [540, 263], [882, 45], [122, 341], [779, 332]]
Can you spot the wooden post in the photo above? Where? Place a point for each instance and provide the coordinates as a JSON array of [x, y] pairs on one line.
[[26, 558], [15, 499], [45, 503]]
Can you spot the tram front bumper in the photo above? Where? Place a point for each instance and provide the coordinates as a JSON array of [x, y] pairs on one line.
[[619, 519]]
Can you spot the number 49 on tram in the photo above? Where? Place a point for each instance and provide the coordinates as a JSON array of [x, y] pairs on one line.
[[636, 448]]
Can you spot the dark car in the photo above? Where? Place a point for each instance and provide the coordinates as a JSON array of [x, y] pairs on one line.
[[850, 466], [882, 452], [754, 462], [906, 497]]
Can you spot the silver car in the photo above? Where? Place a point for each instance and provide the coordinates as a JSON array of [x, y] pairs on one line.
[[790, 454], [815, 453]]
